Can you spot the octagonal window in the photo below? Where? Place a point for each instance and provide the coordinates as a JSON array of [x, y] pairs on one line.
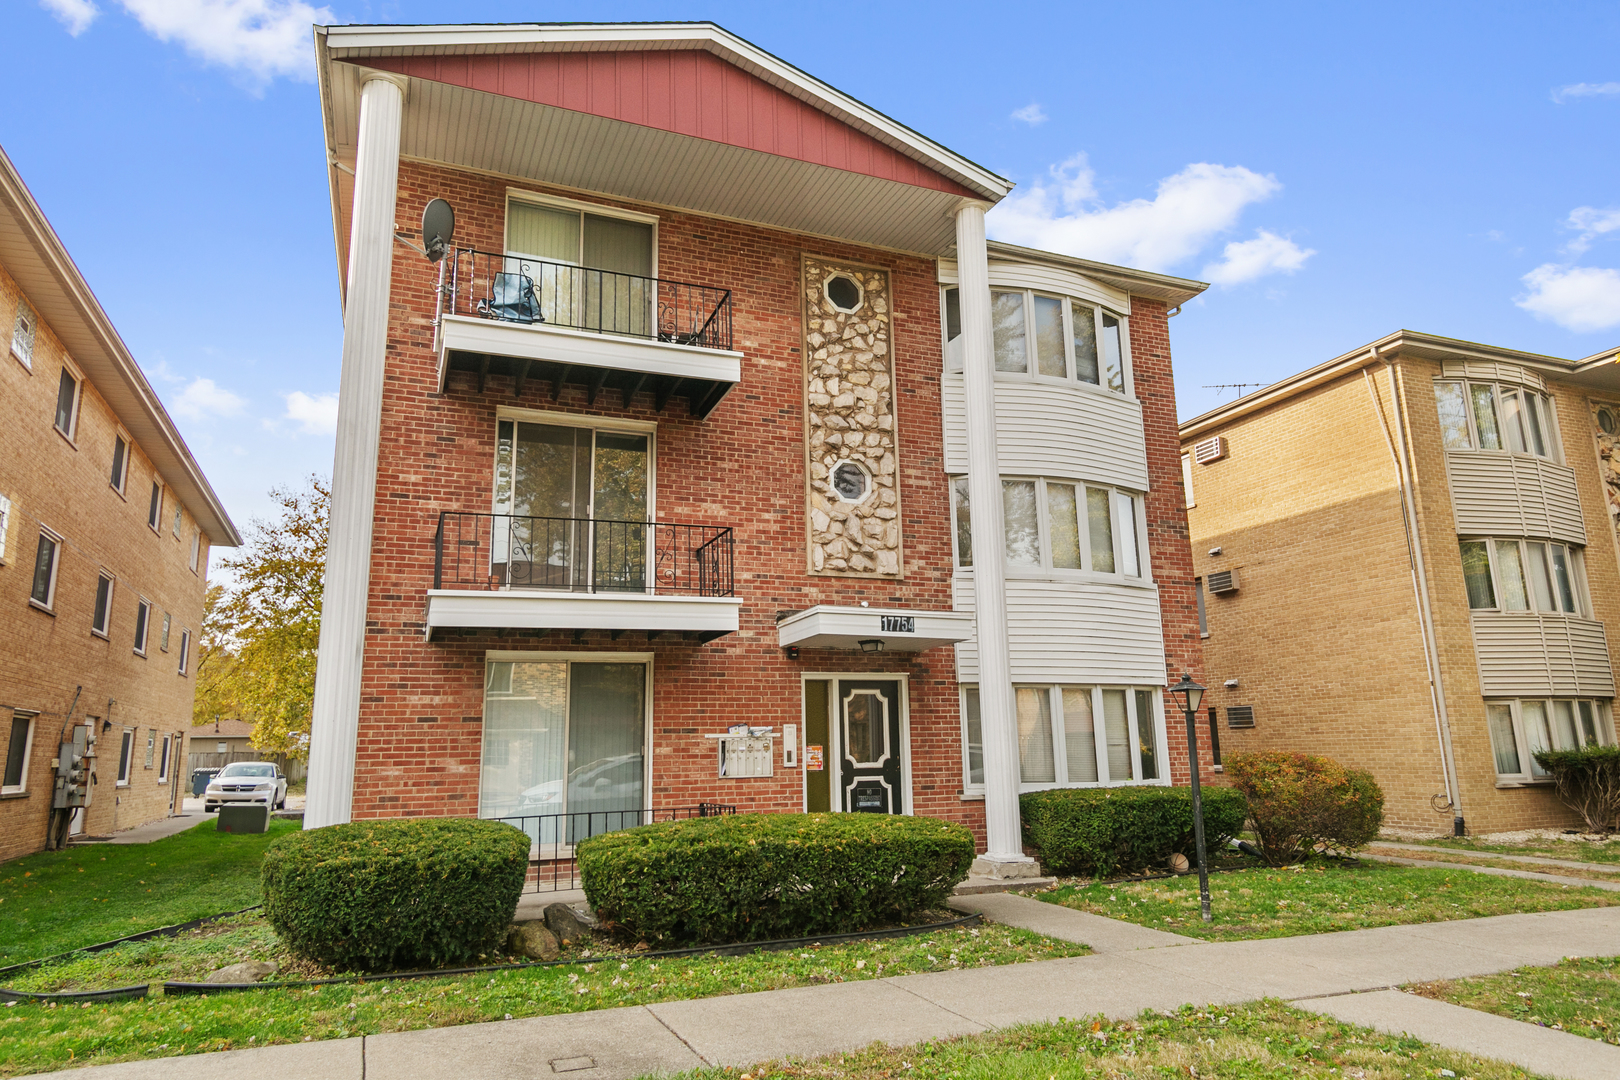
[[850, 482], [844, 293]]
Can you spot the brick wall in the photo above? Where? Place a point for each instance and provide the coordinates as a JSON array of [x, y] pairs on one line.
[[64, 485]]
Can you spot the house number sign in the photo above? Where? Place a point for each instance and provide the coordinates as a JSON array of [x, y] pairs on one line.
[[897, 624]]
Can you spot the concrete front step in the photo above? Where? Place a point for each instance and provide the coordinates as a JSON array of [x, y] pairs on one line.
[[977, 883]]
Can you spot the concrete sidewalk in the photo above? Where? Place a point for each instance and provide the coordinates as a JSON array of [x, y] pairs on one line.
[[1133, 969]]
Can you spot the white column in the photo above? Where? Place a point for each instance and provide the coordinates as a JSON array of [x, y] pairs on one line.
[[1004, 856], [335, 723]]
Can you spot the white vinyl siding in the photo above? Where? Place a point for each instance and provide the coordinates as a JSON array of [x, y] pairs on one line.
[[1522, 653], [1518, 728], [1079, 632], [1514, 496], [1038, 430]]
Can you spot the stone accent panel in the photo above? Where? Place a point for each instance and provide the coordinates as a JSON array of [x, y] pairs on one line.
[[850, 430], [1606, 428]]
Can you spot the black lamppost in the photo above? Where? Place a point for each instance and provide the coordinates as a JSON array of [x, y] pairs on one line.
[[1192, 695]]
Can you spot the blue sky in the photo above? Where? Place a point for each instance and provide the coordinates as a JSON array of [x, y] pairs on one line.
[[1340, 172]]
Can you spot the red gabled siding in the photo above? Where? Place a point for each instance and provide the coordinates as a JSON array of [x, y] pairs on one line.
[[688, 92]]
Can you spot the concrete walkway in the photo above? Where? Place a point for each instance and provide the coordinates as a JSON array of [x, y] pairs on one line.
[[1528, 875], [1538, 860], [1134, 968], [152, 830]]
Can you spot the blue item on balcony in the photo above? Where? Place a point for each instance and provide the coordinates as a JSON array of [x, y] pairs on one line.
[[512, 299]]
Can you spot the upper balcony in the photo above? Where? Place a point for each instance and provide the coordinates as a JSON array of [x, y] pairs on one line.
[[606, 331], [512, 571]]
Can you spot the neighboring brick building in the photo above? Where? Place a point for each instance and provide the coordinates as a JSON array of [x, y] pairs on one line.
[[106, 523], [1493, 566], [702, 475]]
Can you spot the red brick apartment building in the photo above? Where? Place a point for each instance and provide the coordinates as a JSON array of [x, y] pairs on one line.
[[659, 488], [106, 523]]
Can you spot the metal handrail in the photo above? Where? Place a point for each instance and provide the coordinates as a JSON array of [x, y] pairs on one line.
[[519, 551], [552, 836], [519, 289]]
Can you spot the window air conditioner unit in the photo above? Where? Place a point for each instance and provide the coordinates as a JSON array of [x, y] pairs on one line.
[[1211, 449], [1240, 716], [1223, 581]]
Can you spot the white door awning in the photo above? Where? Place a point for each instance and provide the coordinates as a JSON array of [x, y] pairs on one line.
[[899, 629]]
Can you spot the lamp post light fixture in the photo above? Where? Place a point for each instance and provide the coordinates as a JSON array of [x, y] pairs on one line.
[[1191, 696]]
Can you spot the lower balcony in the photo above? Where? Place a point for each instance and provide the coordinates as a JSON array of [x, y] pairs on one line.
[[519, 572]]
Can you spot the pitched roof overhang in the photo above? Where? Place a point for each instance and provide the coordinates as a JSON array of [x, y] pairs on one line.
[[1174, 291], [769, 144], [34, 255], [1598, 372]]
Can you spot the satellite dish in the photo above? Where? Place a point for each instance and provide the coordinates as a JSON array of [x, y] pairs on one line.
[[438, 228]]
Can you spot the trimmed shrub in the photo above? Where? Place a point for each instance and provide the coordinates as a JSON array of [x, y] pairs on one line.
[[1299, 802], [398, 893], [754, 877], [1589, 783], [1103, 831]]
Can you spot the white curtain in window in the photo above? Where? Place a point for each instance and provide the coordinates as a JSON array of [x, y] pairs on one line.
[[1035, 760], [1117, 728], [1502, 740], [1079, 735]]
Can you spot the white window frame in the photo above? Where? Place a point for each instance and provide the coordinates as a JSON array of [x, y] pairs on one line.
[[557, 202], [143, 626], [71, 370], [28, 752], [49, 603], [154, 509], [103, 630], [1577, 575], [185, 650], [151, 747], [24, 334], [179, 514], [121, 481], [1188, 499], [1060, 754], [1071, 375], [126, 757], [1117, 497], [196, 546], [1544, 404], [5, 526], [163, 637], [163, 763], [1603, 720], [611, 425]]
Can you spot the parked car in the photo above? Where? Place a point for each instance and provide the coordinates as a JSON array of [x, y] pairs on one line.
[[247, 782]]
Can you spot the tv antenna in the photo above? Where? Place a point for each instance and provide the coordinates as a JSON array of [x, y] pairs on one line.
[[438, 228], [1238, 386]]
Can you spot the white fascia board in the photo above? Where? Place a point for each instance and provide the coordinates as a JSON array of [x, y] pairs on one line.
[[580, 611], [828, 627], [418, 40], [538, 341]]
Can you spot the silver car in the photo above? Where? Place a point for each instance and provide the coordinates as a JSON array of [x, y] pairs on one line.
[[247, 782]]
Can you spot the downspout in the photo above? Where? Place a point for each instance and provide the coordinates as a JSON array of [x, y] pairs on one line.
[[1420, 585]]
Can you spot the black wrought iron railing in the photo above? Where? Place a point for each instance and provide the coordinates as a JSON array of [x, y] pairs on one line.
[[517, 289], [552, 837], [515, 551]]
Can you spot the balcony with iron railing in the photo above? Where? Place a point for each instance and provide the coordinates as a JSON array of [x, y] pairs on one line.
[[517, 571], [603, 331]]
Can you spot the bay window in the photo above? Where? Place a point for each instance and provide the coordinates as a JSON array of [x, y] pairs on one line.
[[1074, 736], [1046, 337], [1520, 728], [1495, 416], [1523, 575], [1055, 526]]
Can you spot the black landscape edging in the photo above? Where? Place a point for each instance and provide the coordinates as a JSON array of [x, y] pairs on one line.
[[118, 993], [162, 931], [739, 949]]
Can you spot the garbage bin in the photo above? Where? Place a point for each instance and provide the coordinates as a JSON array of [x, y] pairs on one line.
[[199, 781]]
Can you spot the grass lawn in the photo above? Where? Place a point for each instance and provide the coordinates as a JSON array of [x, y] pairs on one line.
[[36, 1038], [60, 900], [1581, 996], [1320, 898], [1261, 1041], [1574, 850]]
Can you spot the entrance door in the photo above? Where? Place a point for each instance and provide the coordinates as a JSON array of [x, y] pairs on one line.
[[870, 746]]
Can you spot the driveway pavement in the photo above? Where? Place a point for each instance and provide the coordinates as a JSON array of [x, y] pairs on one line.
[[1348, 975]]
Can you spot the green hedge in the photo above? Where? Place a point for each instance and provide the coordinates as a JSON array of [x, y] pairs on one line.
[[1589, 783], [754, 877], [1299, 802], [398, 893], [1100, 832]]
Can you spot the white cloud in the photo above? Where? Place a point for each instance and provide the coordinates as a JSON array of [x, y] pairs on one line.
[[260, 38], [1189, 209], [315, 415], [1585, 89], [203, 399], [1030, 114], [1592, 223], [76, 15], [1579, 298], [1246, 260]]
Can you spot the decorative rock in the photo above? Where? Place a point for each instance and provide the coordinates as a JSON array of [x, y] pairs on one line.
[[568, 922], [250, 971], [818, 518], [531, 939]]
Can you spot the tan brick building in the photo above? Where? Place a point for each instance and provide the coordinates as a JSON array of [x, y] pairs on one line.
[[106, 524], [1417, 512]]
